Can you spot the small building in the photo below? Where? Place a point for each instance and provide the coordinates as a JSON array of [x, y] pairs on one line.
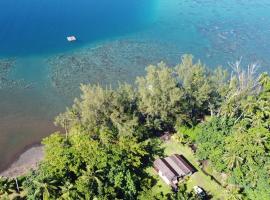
[[173, 168], [71, 38]]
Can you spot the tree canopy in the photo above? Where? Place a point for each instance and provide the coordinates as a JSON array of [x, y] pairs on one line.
[[111, 135]]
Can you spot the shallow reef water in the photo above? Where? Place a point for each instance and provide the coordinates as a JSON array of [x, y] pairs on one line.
[[6, 82], [107, 64], [40, 72]]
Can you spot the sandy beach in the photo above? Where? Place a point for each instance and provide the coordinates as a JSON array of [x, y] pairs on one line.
[[27, 160]]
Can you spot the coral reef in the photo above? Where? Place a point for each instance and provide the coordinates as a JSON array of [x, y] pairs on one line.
[[107, 64], [6, 82]]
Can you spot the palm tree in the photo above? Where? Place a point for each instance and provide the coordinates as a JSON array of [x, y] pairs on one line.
[[260, 139], [94, 176], [6, 186], [252, 176], [67, 191], [8, 189], [15, 195], [232, 159], [45, 188], [265, 81], [234, 193]]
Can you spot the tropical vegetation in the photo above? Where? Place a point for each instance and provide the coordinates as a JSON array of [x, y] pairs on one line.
[[111, 135]]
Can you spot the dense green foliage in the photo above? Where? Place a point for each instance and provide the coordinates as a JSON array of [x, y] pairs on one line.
[[238, 143], [111, 135], [83, 167], [237, 140]]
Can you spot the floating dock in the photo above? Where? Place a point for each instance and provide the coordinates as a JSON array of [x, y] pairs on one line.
[[71, 38]]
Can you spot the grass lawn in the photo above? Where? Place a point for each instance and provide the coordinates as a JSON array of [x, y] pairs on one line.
[[198, 178]]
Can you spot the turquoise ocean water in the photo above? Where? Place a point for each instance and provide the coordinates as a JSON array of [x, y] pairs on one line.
[[40, 71]]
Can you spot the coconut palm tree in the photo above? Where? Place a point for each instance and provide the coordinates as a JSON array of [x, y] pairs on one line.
[[6, 186], [8, 190], [232, 159], [94, 176], [44, 188], [233, 192], [67, 191]]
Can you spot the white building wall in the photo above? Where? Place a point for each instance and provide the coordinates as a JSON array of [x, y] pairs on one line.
[[164, 178]]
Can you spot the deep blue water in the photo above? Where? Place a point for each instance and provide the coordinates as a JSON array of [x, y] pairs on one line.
[[40, 72], [30, 30], [34, 27]]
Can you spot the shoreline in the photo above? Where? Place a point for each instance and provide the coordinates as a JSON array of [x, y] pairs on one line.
[[25, 161]]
